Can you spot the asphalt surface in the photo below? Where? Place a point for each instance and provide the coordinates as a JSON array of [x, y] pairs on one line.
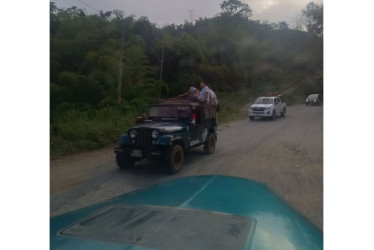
[[286, 154]]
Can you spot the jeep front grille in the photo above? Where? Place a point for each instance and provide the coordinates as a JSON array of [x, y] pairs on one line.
[[143, 137]]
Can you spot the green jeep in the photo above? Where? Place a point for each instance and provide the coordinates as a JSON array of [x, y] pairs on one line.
[[172, 127]]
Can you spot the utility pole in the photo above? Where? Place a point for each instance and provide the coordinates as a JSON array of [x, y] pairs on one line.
[[120, 69], [191, 16], [162, 60], [162, 64]]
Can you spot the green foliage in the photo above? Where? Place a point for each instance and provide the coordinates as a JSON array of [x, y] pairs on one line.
[[233, 105], [314, 16], [85, 127], [236, 7], [311, 19], [238, 57], [282, 25]]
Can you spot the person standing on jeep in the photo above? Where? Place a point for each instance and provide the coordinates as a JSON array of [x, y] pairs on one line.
[[213, 97], [205, 95], [193, 92]]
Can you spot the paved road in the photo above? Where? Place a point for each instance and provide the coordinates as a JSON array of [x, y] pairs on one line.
[[286, 154]]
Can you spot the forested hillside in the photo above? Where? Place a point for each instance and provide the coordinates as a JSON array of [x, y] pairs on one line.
[[106, 68]]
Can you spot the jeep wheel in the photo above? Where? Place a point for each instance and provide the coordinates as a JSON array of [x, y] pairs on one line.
[[283, 114], [124, 161], [210, 144], [174, 158], [273, 116], [251, 118]]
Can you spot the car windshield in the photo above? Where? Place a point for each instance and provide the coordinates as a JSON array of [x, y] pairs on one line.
[[170, 112], [313, 97], [264, 100]]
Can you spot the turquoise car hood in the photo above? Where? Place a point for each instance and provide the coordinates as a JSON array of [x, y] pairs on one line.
[[278, 226]]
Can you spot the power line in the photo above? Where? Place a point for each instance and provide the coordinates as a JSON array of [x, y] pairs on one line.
[[89, 6], [98, 11]]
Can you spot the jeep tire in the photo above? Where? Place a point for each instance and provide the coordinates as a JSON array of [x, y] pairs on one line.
[[251, 118], [210, 144], [124, 161], [174, 158]]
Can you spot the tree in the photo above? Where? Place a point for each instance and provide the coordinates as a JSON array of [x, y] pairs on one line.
[[229, 51], [119, 14], [311, 19], [105, 15], [282, 25], [236, 8], [52, 8]]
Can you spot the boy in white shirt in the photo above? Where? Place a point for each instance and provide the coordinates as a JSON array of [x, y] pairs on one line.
[[204, 93]]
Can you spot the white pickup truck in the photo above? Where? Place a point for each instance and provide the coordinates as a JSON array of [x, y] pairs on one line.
[[268, 106]]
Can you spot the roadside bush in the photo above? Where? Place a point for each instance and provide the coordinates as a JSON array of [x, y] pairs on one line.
[[233, 104], [86, 128]]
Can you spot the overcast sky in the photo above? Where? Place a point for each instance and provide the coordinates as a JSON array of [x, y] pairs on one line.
[[177, 11]]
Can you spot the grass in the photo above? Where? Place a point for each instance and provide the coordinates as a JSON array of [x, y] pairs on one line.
[[231, 105], [76, 130]]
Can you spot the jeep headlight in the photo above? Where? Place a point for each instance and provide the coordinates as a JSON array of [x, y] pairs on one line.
[[133, 133], [155, 134], [268, 108]]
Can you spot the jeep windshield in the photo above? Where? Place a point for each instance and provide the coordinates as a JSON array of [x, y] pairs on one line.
[[171, 112], [264, 100]]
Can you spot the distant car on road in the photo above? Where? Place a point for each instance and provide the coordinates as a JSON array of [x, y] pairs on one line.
[[172, 127], [198, 212], [314, 100], [268, 106]]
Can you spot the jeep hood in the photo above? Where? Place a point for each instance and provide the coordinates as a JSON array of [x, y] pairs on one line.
[[166, 127]]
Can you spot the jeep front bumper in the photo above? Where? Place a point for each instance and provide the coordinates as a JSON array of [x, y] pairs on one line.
[[141, 152]]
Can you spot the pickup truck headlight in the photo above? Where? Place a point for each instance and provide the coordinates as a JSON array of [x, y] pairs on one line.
[[155, 134], [133, 133]]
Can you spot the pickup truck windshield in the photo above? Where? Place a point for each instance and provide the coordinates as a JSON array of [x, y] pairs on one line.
[[264, 100], [313, 97], [170, 112]]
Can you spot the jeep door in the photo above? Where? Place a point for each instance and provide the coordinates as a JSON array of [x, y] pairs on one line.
[[206, 122], [195, 126]]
